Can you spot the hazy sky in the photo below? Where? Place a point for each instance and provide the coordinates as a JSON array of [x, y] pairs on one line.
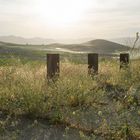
[[70, 18]]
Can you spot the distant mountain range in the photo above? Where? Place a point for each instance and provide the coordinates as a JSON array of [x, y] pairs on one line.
[[127, 41], [100, 46], [22, 40], [97, 46]]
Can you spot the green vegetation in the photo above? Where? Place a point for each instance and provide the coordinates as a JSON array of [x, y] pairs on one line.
[[36, 52], [106, 106]]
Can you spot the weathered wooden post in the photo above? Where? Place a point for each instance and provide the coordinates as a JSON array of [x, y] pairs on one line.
[[124, 60], [92, 64], [52, 66]]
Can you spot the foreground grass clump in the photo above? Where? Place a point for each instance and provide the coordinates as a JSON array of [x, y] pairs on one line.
[[106, 105]]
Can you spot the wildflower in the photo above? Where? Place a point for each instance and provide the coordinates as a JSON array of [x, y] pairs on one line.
[[100, 113], [73, 113]]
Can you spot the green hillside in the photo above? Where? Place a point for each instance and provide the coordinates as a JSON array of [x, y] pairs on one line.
[[38, 52]]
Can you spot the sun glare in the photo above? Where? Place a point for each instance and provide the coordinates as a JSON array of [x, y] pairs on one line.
[[62, 12]]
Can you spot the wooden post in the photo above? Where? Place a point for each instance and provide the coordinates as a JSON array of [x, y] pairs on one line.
[[124, 60], [52, 66], [92, 63]]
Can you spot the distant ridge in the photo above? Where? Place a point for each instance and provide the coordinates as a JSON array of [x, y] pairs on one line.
[[94, 46], [103, 42], [22, 40]]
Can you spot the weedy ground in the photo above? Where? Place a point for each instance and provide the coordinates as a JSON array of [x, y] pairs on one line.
[[104, 106]]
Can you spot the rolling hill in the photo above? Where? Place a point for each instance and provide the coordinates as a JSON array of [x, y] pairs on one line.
[[96, 46], [38, 51], [104, 46]]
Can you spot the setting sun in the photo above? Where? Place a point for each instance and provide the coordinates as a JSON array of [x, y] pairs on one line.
[[62, 12]]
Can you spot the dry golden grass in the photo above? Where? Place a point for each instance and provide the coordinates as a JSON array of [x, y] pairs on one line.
[[24, 91]]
